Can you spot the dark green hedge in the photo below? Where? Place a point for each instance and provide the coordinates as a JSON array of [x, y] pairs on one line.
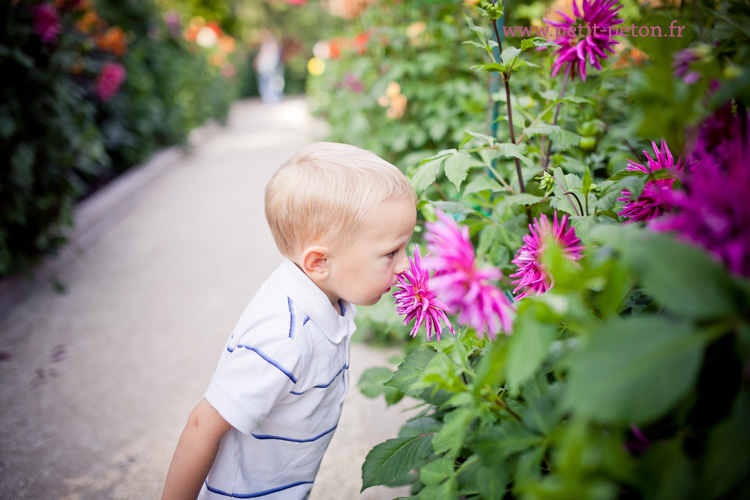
[[64, 131]]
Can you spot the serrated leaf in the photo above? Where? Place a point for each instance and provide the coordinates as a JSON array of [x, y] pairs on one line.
[[426, 174], [394, 458], [469, 135], [436, 472], [457, 167], [509, 150], [652, 357], [411, 371], [509, 54]]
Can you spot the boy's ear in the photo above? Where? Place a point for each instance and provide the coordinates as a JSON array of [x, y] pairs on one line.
[[315, 262]]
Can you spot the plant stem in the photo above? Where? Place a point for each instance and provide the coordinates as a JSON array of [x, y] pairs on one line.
[[506, 82], [504, 405], [554, 122]]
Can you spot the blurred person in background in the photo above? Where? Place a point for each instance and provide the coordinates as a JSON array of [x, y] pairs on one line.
[[269, 68]]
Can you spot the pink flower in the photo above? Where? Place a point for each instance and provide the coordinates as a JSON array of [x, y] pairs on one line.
[[109, 80], [47, 22], [587, 38], [656, 198], [460, 285], [531, 275], [415, 299], [713, 210]]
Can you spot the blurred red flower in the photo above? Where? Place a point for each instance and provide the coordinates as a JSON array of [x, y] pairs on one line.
[[47, 22], [109, 80]]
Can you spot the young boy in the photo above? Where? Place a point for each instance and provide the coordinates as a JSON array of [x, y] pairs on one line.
[[341, 217]]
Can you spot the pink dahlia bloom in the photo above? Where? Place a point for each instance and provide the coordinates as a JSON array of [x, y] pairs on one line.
[[588, 37], [531, 275], [109, 80], [656, 198], [415, 299], [47, 22], [713, 210], [465, 289]]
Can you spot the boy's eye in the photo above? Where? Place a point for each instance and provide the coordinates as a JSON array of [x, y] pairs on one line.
[[392, 254]]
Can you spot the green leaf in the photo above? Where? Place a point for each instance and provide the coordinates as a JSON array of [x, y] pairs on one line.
[[457, 167], [394, 458], [426, 174], [469, 135], [429, 170], [484, 182], [527, 349], [436, 472], [452, 207], [495, 444], [372, 382], [509, 54], [633, 370], [410, 371], [727, 457], [518, 199], [679, 275], [510, 150], [497, 67], [587, 182], [451, 437], [445, 491], [667, 472]]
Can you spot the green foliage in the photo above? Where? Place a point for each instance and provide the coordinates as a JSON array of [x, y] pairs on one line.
[[418, 46], [628, 378], [59, 139]]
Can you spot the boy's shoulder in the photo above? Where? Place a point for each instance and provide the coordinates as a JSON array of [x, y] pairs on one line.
[[289, 309]]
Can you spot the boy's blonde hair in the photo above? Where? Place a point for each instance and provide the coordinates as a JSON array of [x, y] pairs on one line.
[[325, 191]]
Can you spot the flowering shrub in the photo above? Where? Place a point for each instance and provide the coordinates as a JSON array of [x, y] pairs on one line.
[[88, 91], [624, 363], [392, 82]]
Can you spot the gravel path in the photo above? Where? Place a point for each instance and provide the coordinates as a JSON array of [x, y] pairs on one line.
[[97, 379]]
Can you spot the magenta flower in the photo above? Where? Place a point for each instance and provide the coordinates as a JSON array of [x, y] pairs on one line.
[[415, 299], [681, 61], [465, 289], [109, 80], [713, 210], [587, 38], [47, 22], [531, 275], [656, 198]]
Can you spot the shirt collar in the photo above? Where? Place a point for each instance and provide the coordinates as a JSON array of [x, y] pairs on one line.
[[315, 303]]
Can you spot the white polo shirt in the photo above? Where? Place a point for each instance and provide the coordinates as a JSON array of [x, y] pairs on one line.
[[280, 383]]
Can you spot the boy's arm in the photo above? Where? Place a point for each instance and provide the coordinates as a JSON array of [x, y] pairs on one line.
[[195, 453]]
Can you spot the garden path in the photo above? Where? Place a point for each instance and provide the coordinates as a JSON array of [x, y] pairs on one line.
[[99, 372]]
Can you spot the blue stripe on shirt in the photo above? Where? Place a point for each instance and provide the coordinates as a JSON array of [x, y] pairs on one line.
[[266, 436], [291, 317], [323, 386], [255, 495], [265, 357]]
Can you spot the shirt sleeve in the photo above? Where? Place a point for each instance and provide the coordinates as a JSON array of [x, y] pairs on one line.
[[251, 376]]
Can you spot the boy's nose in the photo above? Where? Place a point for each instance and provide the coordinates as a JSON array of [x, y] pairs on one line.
[[403, 263]]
